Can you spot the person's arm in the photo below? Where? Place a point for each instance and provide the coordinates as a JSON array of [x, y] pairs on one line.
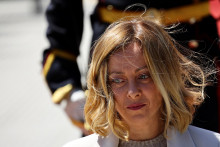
[[64, 33]]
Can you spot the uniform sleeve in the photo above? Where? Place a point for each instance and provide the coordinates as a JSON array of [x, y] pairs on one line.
[[64, 33]]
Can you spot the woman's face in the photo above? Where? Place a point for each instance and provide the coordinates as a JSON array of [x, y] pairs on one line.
[[137, 99]]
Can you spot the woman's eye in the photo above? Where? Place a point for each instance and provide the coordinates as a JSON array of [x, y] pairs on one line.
[[117, 81], [143, 76]]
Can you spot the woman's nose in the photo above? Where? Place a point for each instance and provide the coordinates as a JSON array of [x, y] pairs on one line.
[[133, 90]]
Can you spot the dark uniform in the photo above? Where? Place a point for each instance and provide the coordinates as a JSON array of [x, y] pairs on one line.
[[65, 19]]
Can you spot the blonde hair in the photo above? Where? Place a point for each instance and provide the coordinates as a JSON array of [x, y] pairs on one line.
[[180, 81]]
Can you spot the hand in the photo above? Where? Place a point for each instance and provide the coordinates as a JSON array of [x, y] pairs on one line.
[[75, 110]]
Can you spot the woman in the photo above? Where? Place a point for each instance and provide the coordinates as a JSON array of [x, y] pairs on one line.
[[142, 91]]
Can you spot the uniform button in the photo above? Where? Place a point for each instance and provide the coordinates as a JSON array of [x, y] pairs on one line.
[[193, 44], [110, 7], [192, 20]]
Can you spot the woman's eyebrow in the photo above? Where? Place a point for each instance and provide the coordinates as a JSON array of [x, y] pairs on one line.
[[119, 73], [141, 68], [115, 72]]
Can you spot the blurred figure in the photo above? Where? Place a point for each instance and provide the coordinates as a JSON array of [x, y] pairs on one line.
[[64, 33]]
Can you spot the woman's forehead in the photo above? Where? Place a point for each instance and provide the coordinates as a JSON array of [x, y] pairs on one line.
[[131, 50], [130, 58]]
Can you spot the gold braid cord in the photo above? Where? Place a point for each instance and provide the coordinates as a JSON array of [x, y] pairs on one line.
[[188, 14]]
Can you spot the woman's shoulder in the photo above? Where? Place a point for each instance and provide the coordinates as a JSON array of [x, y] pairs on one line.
[[203, 136], [87, 141]]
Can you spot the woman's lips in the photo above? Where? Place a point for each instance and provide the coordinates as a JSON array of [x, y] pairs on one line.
[[136, 106]]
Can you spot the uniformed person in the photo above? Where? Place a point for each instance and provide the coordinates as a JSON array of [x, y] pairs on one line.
[[64, 33]]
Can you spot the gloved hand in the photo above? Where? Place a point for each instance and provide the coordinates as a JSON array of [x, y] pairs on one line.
[[75, 110]]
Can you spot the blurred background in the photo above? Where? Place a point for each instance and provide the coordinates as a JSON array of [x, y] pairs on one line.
[[28, 118]]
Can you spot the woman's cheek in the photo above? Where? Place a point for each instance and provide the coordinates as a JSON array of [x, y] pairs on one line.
[[119, 91]]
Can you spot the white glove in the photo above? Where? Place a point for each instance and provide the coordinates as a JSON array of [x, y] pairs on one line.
[[75, 105]]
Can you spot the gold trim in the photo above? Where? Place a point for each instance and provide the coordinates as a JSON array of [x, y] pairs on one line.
[[62, 93], [112, 15], [64, 54], [78, 123], [51, 57], [188, 13], [85, 128], [48, 64]]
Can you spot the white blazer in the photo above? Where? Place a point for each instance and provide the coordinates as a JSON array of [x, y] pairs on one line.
[[192, 137]]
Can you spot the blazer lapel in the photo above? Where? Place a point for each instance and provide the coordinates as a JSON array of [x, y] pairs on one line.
[[177, 139]]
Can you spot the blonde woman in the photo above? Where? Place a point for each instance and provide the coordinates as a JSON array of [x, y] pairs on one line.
[[142, 91]]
